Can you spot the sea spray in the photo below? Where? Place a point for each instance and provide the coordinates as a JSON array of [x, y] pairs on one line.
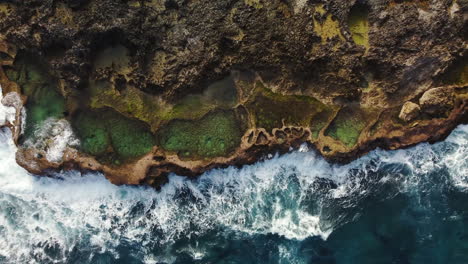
[[53, 137], [7, 113], [294, 208]]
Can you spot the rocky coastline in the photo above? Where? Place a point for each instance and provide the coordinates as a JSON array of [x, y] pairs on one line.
[[149, 88]]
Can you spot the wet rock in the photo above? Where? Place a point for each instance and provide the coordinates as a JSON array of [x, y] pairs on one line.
[[409, 111], [437, 101]]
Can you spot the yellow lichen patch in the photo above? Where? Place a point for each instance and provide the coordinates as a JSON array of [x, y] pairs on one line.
[[230, 17], [329, 29], [358, 23], [134, 3], [239, 37], [320, 9], [156, 4], [254, 3], [64, 14], [453, 9], [5, 9]]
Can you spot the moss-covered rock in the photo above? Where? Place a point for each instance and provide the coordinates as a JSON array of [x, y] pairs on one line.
[[106, 132], [272, 110], [147, 76], [358, 23], [348, 125], [216, 134]]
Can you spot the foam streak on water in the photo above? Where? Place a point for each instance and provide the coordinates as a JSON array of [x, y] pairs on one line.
[[277, 208]]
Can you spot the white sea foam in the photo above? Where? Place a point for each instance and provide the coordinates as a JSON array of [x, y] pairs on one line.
[[53, 136], [280, 196], [7, 113]]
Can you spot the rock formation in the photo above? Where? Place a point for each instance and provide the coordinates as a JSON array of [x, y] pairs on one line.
[[139, 89], [409, 111]]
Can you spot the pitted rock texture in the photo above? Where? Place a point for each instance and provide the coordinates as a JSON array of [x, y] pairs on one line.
[[158, 86], [409, 111]]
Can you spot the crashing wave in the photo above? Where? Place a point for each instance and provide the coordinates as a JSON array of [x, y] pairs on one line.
[[295, 196], [53, 136], [8, 106]]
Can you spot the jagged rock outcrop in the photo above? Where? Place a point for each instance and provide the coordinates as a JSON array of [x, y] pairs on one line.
[[409, 111], [437, 101], [138, 89]]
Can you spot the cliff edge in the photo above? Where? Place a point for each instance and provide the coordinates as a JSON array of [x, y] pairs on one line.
[[140, 89]]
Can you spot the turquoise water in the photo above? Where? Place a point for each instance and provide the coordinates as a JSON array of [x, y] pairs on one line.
[[405, 206]]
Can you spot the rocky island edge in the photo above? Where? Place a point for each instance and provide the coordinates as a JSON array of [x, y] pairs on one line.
[[140, 89]]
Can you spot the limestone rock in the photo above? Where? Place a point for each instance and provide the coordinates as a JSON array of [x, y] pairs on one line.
[[437, 101], [409, 111]]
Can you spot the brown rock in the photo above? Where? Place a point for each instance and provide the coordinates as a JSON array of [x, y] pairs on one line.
[[409, 111], [437, 101]]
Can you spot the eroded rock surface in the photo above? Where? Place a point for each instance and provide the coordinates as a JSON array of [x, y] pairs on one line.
[[409, 111], [437, 101], [138, 89]]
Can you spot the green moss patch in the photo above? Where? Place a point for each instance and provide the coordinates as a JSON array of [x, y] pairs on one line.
[[348, 125], [319, 121], [107, 133], [358, 23], [216, 134], [270, 110], [92, 132], [154, 111]]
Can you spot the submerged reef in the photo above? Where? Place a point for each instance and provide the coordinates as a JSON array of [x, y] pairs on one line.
[[151, 87]]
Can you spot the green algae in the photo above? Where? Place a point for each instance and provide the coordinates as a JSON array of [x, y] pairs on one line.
[[92, 132], [44, 100], [105, 132], [131, 101], [271, 110], [319, 121], [149, 108], [129, 138], [216, 134], [348, 125], [358, 23], [154, 111]]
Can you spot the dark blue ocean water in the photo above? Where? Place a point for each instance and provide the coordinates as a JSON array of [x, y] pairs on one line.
[[405, 206]]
